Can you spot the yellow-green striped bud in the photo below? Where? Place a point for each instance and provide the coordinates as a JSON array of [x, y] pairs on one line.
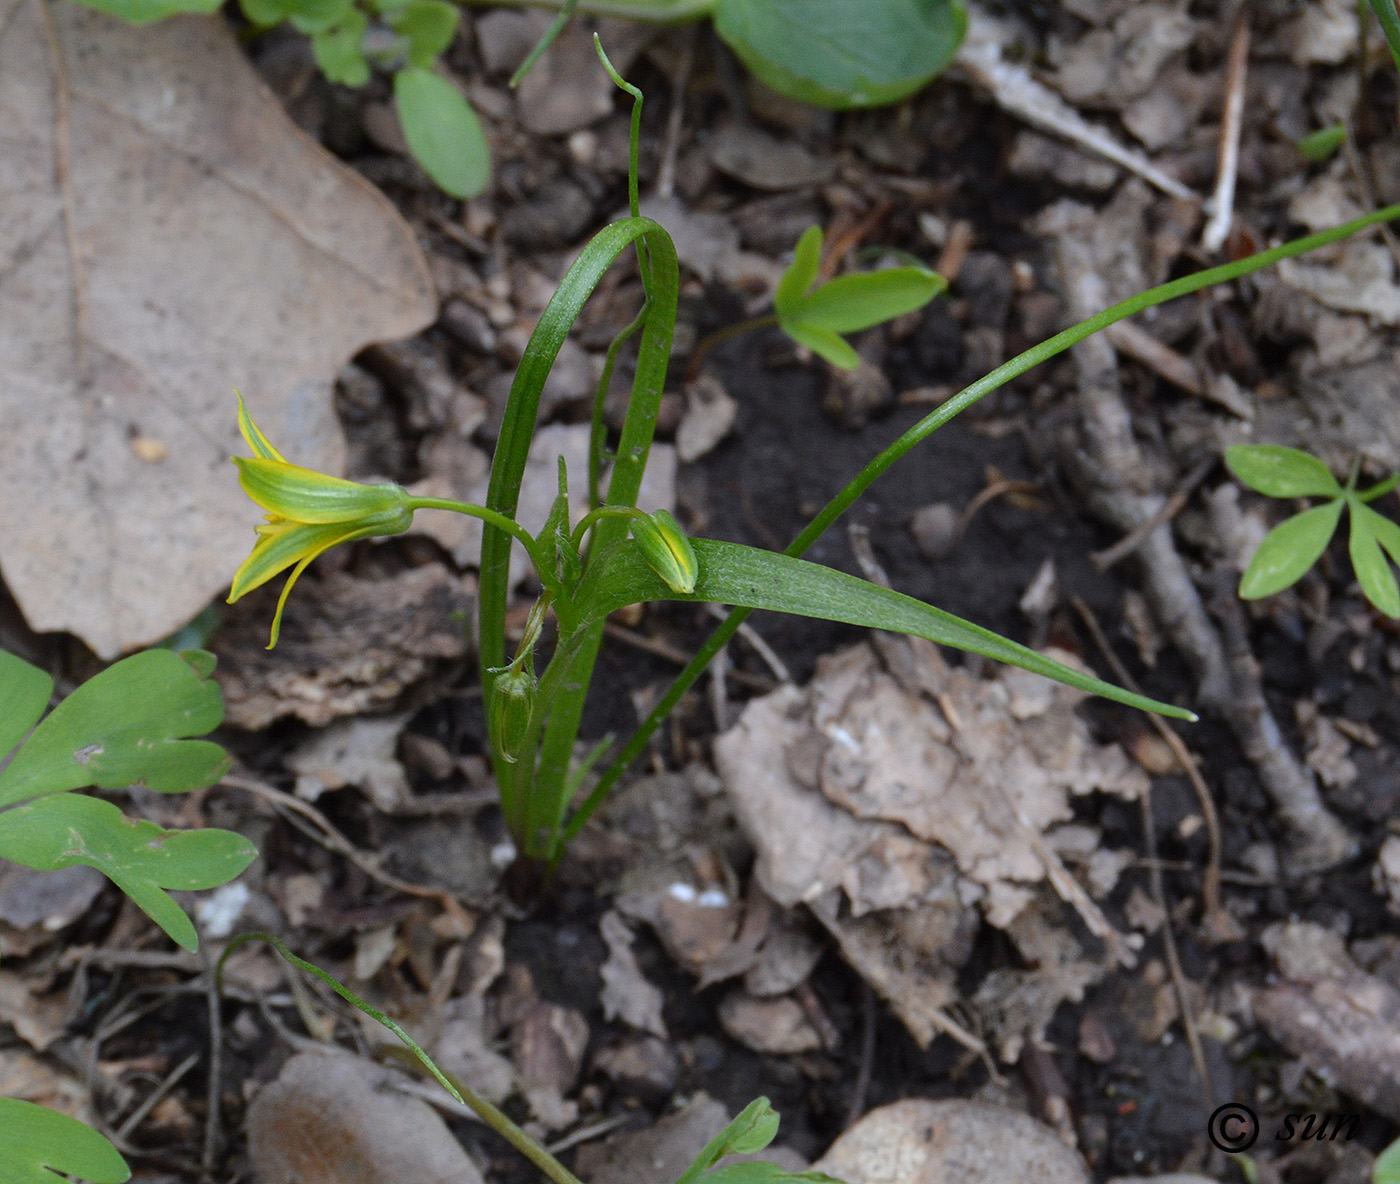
[[667, 551], [512, 702]]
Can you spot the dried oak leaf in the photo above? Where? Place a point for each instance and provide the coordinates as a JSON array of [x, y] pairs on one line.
[[348, 646], [169, 235]]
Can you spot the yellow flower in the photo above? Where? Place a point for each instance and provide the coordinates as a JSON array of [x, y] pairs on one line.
[[308, 512]]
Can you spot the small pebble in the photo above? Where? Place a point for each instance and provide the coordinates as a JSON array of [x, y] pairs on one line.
[[935, 530]]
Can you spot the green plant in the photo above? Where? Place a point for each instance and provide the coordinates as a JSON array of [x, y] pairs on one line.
[[131, 725], [1293, 546], [1387, 1169]]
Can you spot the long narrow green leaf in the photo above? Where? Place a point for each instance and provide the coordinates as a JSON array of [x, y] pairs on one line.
[[1390, 24], [731, 573]]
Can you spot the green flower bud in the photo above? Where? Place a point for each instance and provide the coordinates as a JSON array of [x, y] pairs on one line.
[[667, 551], [512, 702]]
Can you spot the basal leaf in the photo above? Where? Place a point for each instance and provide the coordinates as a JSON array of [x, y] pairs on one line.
[[822, 342], [1281, 472], [126, 726], [139, 857], [1289, 550], [429, 26], [733, 574], [143, 12], [1369, 562], [442, 131], [843, 53], [24, 693], [850, 303], [801, 273], [36, 1144], [1387, 1168], [340, 53]]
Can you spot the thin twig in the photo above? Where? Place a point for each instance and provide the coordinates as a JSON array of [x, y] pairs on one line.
[[755, 640], [214, 1088], [865, 1069], [662, 649], [1164, 513], [172, 1079], [1221, 203], [670, 146]]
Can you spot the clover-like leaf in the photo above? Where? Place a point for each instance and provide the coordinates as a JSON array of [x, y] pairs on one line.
[[1289, 550], [429, 25], [317, 16], [139, 857], [1281, 472], [1369, 562], [36, 1144], [126, 726], [340, 51]]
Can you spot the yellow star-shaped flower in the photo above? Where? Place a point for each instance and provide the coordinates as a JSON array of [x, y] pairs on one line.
[[307, 513]]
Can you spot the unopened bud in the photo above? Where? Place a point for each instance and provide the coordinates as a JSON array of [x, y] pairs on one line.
[[512, 702], [667, 551]]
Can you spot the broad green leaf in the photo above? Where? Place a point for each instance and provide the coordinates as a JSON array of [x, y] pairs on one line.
[[265, 13], [1387, 532], [822, 342], [1387, 1168], [1390, 23], [126, 726], [761, 1172], [318, 16], [1367, 560], [443, 132], [36, 1144], [751, 1131], [1281, 472], [24, 693], [801, 273], [1323, 143], [843, 53], [139, 857], [746, 576], [850, 303], [340, 51], [429, 26], [144, 12], [1289, 550]]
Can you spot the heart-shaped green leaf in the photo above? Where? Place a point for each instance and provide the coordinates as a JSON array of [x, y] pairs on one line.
[[37, 1144], [1281, 472], [1369, 562], [139, 857], [442, 131], [1289, 550], [124, 727]]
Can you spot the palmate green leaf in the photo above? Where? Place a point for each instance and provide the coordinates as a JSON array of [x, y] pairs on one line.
[[1369, 562], [24, 693], [443, 132], [1281, 472], [340, 53], [1387, 1167], [429, 26], [730, 573], [36, 1144], [140, 858], [1289, 550], [843, 53], [144, 12], [127, 726]]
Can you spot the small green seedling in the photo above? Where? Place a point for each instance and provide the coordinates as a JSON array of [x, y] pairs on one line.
[[130, 725], [1292, 547], [1323, 144]]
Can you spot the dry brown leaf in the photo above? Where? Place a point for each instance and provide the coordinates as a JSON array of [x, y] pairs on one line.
[[169, 235], [627, 995]]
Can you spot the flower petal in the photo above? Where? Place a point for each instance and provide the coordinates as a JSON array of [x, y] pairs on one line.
[[281, 544], [304, 495], [253, 434]]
